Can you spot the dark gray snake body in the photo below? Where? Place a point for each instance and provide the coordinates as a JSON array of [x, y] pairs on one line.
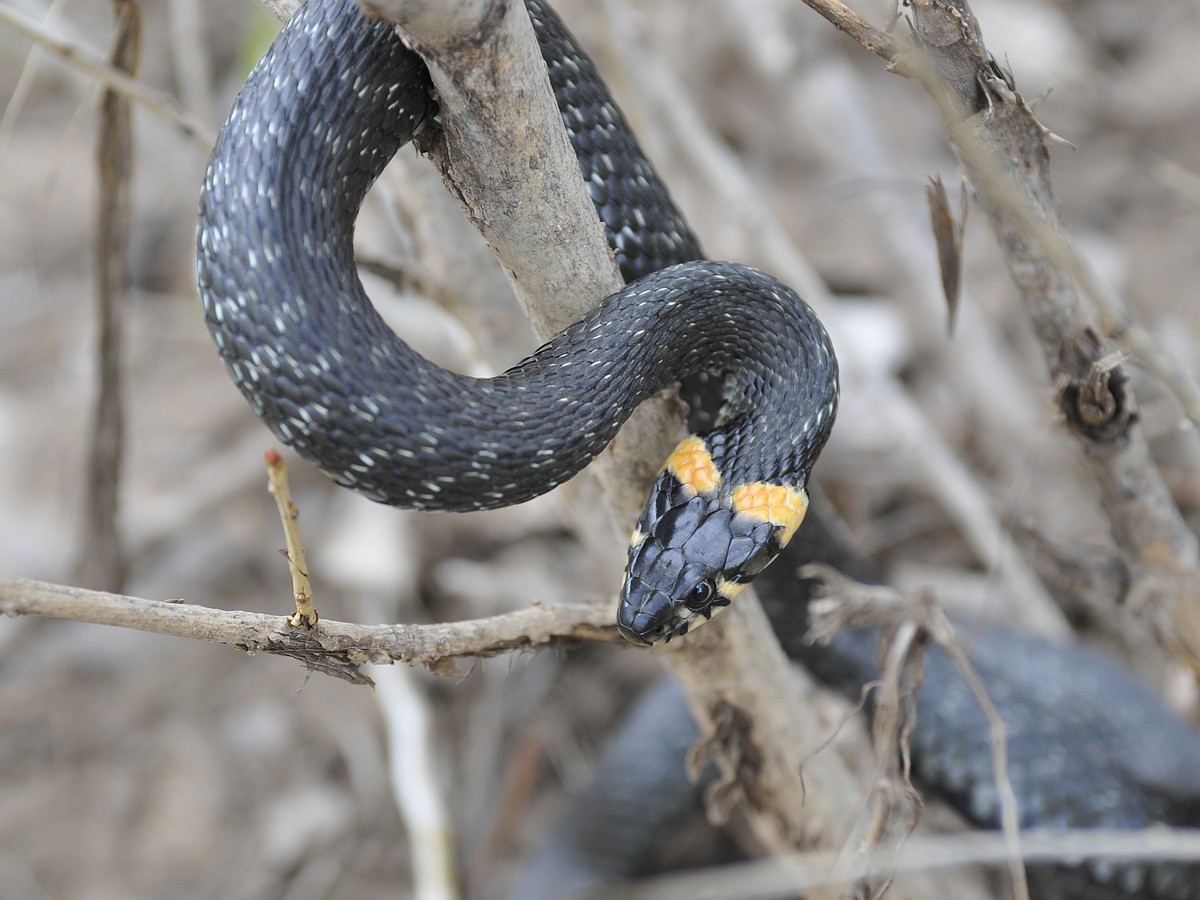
[[332, 101], [317, 363]]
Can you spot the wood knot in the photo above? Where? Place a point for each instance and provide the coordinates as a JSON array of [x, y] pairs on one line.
[[1094, 396]]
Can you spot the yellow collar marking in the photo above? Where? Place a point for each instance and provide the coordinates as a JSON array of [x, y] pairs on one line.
[[781, 505], [693, 465]]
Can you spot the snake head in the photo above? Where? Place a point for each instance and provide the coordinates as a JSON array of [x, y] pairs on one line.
[[699, 542]]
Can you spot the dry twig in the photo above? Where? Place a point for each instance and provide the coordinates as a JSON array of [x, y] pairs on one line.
[[787, 876], [336, 648], [305, 615], [844, 603]]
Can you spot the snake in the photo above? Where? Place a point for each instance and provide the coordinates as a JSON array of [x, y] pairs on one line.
[[335, 97], [332, 101]]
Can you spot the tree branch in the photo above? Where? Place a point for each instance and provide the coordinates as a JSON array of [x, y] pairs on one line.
[[1003, 147], [334, 648], [545, 230], [102, 556]]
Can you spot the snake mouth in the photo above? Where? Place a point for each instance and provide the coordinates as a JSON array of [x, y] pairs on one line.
[[645, 628], [642, 627]]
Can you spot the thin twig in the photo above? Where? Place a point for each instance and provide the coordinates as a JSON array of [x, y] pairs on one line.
[[1010, 822], [305, 615], [847, 20], [891, 725], [845, 603]]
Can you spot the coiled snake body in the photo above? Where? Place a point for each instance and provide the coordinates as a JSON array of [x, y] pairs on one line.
[[332, 101]]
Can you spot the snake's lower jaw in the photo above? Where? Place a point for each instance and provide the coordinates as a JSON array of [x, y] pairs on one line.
[[686, 618]]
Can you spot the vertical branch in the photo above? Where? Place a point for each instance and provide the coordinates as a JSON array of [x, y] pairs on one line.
[[305, 615], [102, 562], [506, 156]]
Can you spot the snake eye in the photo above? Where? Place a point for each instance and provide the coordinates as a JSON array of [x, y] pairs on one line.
[[700, 596]]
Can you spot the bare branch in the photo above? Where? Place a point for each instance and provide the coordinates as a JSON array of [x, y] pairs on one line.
[[102, 562], [335, 648], [847, 20], [1004, 149]]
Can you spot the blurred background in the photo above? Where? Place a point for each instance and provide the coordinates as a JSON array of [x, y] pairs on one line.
[[134, 765]]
